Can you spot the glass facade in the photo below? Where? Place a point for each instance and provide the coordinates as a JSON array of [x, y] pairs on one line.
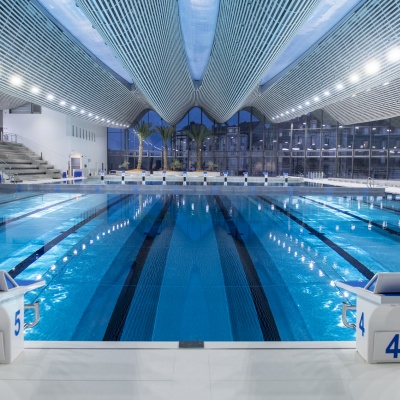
[[313, 143]]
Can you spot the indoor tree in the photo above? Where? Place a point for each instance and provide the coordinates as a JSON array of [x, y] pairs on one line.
[[198, 133], [166, 133], [143, 131]]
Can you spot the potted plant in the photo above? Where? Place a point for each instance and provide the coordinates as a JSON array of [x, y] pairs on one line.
[[124, 166], [176, 165]]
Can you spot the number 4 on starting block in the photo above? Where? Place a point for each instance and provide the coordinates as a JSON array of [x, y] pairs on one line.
[[386, 346]]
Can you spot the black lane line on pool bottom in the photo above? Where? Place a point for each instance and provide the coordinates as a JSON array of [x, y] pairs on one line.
[[393, 210], [23, 265], [392, 231], [118, 318], [264, 313], [21, 198], [321, 236], [39, 210]]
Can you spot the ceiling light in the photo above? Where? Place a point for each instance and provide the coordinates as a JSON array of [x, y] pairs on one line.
[[339, 86], [372, 67], [354, 78], [293, 110], [307, 103], [108, 121], [102, 119], [82, 111], [35, 90], [62, 103], [316, 98], [340, 126], [287, 112], [394, 54], [326, 93], [273, 118], [97, 117], [281, 115], [300, 107], [73, 107], [385, 83], [16, 80], [50, 97], [90, 114]]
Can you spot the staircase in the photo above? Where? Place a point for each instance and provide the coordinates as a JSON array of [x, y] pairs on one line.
[[19, 164]]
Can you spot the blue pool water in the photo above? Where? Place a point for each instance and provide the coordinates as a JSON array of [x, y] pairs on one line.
[[136, 267]]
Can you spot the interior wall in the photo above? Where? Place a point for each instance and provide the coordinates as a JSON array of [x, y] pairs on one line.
[[50, 134]]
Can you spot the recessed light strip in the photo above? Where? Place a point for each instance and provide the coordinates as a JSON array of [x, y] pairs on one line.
[[18, 81], [372, 67]]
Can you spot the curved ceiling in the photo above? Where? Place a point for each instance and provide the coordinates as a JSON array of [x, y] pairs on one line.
[[285, 58]]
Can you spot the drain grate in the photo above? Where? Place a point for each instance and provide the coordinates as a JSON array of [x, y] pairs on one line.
[[191, 344]]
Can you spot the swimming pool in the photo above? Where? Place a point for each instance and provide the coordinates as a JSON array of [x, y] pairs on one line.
[[176, 267]]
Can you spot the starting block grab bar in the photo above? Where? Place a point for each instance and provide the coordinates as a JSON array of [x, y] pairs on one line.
[[347, 307], [377, 316], [36, 310]]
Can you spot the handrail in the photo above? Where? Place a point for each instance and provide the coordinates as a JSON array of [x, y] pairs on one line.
[[5, 170], [16, 138]]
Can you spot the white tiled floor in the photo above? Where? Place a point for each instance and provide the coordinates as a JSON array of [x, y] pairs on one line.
[[210, 373]]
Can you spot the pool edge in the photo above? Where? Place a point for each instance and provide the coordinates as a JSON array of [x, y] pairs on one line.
[[30, 344]]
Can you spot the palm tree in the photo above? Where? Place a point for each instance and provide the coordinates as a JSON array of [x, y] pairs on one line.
[[143, 131], [166, 132], [198, 132]]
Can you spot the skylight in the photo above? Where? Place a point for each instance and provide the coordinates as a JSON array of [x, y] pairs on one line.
[[198, 23]]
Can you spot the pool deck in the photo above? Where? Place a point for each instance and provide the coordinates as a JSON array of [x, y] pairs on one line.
[[390, 186], [69, 371], [219, 371], [236, 186]]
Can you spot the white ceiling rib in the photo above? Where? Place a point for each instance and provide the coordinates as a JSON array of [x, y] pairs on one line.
[[7, 101], [146, 36], [368, 35], [36, 50], [379, 103], [249, 36]]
